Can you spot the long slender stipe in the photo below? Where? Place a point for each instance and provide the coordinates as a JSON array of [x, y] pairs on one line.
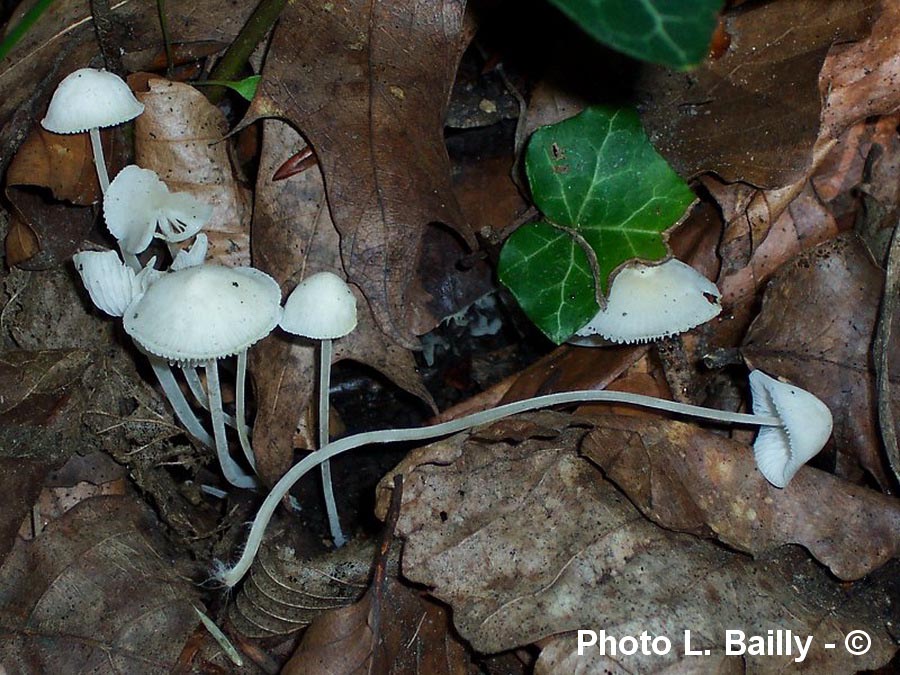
[[239, 404], [231, 576], [182, 408], [230, 469], [334, 522]]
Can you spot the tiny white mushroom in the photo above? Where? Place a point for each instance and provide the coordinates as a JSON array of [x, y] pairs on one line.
[[198, 315], [780, 451], [650, 302], [111, 285], [322, 307], [139, 206], [87, 100]]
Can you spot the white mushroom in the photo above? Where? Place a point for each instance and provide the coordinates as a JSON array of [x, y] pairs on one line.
[[805, 427], [87, 100], [198, 315], [111, 285], [649, 302], [322, 307], [139, 206]]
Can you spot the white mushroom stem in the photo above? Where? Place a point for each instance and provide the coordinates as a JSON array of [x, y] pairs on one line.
[[231, 576], [334, 522], [230, 469], [178, 402], [240, 417], [199, 394], [99, 160]]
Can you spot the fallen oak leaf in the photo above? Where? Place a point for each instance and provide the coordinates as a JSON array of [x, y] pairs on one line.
[[714, 489], [294, 237], [374, 116]]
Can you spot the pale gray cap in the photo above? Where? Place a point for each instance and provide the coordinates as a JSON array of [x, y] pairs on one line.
[[204, 312], [90, 98], [321, 307]]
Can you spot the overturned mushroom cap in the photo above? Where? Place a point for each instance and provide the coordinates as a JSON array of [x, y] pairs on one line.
[[138, 205], [90, 98], [193, 256], [321, 307], [781, 451], [204, 312], [646, 303], [111, 284]]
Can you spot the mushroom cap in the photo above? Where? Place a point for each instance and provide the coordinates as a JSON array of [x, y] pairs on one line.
[[90, 98], [321, 307], [781, 451], [649, 302], [111, 284], [204, 312], [193, 256], [138, 202]]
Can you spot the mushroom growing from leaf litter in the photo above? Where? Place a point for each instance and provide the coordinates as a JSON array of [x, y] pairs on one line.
[[111, 285], [87, 100], [322, 307], [139, 206], [780, 451], [650, 302], [200, 314], [776, 417]]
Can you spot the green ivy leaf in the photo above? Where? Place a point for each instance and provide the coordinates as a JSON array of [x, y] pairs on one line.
[[674, 33], [607, 197], [246, 87]]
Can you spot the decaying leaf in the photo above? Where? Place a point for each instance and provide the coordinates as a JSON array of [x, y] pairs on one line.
[[94, 591], [558, 548], [179, 136], [294, 237], [63, 163], [373, 112], [691, 480], [815, 329], [699, 120]]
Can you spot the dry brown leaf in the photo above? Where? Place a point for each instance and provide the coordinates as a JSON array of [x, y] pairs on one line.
[[64, 40], [815, 328], [557, 548], [712, 488], [293, 237], [64, 163], [699, 120], [368, 87], [95, 591], [179, 136]]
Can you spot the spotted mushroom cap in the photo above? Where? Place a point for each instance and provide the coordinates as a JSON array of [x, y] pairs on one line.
[[650, 302], [781, 451], [204, 312], [321, 307], [90, 98], [138, 205]]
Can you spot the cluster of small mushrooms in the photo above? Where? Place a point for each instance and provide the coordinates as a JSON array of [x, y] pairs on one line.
[[195, 313]]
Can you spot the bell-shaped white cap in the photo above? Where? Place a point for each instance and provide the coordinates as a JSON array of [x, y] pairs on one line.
[[204, 312], [111, 284], [90, 98], [321, 307], [650, 302], [138, 205], [193, 256], [781, 451]]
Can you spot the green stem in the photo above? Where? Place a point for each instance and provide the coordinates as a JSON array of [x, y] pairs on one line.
[[229, 66], [334, 523], [231, 576]]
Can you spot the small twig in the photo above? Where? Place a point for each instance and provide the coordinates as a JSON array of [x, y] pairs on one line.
[[881, 350], [167, 42], [258, 25], [103, 27]]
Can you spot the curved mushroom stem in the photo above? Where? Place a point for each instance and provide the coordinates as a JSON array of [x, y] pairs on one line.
[[232, 472], [239, 415], [231, 576], [334, 522], [178, 402], [199, 394]]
